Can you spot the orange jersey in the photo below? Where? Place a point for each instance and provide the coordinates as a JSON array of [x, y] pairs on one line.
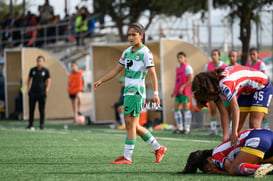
[[75, 82]]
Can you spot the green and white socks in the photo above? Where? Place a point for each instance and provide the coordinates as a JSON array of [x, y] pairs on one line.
[[213, 126], [130, 145], [121, 117], [150, 140], [187, 119], [129, 148], [178, 119]]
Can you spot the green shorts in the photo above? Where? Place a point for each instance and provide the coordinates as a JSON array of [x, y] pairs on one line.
[[226, 103], [133, 104], [182, 98]]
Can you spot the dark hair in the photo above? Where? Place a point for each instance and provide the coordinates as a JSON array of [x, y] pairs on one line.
[[253, 49], [216, 50], [140, 29], [206, 84], [197, 159], [74, 62], [40, 56], [181, 53]]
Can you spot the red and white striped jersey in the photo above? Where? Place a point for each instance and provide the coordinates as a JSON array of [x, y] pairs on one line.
[[239, 80], [226, 151]]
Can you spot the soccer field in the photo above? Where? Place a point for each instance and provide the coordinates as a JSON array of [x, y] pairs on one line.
[[84, 153]]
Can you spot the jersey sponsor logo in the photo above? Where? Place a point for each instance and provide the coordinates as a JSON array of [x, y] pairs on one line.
[[252, 142], [43, 73], [33, 73], [129, 63]]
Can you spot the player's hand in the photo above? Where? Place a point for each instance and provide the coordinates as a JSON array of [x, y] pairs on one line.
[[96, 84], [234, 139], [172, 95], [181, 89], [226, 138], [156, 99]]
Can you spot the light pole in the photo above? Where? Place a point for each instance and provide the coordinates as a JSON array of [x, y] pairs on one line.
[[209, 25]]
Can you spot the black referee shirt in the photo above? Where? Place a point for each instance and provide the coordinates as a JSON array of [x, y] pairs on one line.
[[39, 77]]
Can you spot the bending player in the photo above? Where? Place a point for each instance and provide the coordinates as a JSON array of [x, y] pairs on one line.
[[253, 88]]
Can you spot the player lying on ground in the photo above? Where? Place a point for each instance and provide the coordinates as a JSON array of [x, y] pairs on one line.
[[254, 148]]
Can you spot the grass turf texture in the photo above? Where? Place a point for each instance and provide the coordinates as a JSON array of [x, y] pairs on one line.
[[84, 153]]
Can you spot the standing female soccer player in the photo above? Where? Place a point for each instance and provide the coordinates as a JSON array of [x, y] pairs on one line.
[[233, 58], [252, 87], [258, 64], [214, 64], [137, 60], [182, 93], [75, 88]]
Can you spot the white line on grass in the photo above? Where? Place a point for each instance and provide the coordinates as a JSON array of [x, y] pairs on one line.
[[163, 138]]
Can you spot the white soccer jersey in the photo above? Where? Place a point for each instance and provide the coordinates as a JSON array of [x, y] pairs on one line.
[[136, 64]]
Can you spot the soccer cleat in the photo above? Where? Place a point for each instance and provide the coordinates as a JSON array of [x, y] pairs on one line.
[[212, 133], [29, 127], [160, 154], [42, 127], [121, 127], [121, 160], [263, 170], [178, 131]]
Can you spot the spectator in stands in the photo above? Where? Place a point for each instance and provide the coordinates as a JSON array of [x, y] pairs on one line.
[[46, 12], [81, 26], [16, 33], [32, 31], [7, 37]]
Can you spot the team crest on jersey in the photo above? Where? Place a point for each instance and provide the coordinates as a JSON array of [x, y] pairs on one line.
[[252, 142], [137, 57]]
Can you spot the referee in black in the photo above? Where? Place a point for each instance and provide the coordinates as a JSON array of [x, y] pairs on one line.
[[38, 85]]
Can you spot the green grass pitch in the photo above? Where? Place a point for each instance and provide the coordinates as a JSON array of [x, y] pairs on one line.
[[84, 153]]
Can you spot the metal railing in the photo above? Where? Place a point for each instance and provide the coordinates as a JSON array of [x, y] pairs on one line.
[[46, 35]]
